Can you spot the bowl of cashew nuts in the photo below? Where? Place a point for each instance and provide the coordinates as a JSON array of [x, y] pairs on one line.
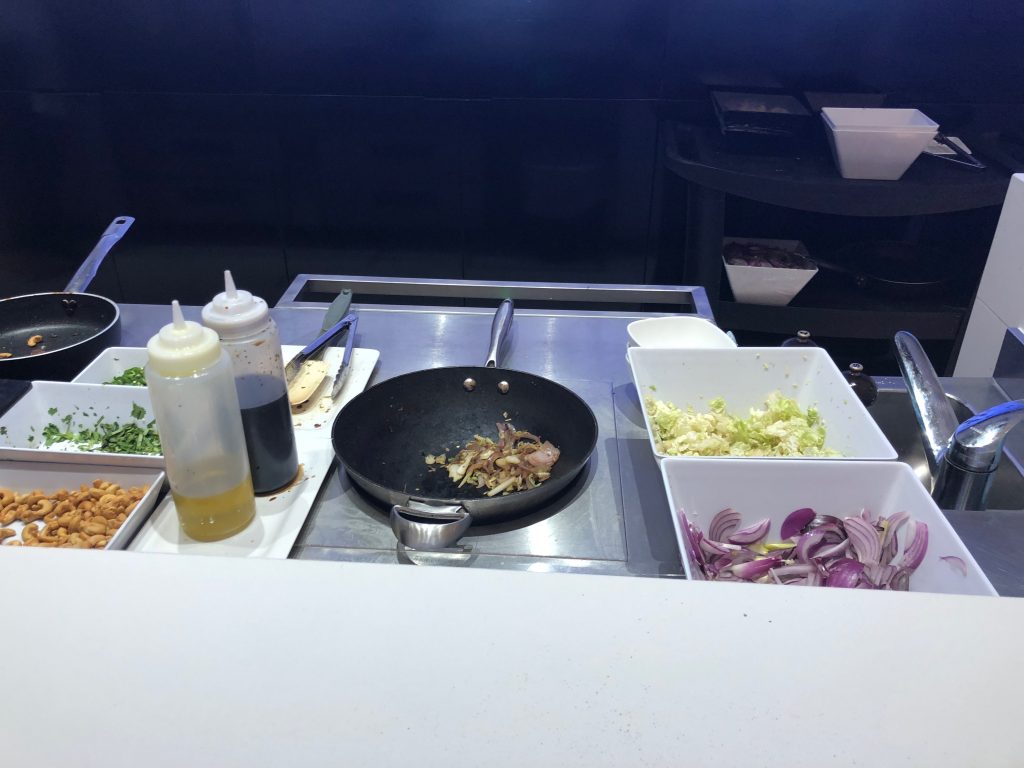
[[80, 506]]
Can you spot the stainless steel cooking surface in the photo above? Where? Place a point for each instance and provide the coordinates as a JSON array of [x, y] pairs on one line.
[[616, 519], [612, 519]]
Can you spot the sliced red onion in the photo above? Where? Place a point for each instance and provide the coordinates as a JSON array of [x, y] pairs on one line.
[[755, 569], [893, 525], [880, 575], [796, 522], [716, 547], [913, 553], [693, 537], [797, 569], [901, 581], [752, 533], [807, 544], [832, 550], [833, 533], [863, 539], [848, 553], [724, 523], [957, 563], [845, 573]]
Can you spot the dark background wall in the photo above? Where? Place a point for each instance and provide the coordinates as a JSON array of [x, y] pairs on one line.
[[463, 138]]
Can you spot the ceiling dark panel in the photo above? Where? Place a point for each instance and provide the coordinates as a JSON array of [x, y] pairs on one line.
[[461, 48], [916, 50], [135, 45]]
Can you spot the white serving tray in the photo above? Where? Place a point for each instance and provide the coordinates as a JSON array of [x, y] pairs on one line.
[[21, 427], [279, 516], [22, 477], [745, 376], [317, 415], [700, 488]]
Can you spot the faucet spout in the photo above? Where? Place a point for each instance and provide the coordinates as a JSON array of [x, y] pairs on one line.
[[963, 457], [934, 413], [977, 444]]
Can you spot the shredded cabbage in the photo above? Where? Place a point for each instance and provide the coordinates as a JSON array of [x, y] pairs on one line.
[[781, 428]]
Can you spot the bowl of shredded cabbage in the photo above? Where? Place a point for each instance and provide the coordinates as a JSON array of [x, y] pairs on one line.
[[750, 402]]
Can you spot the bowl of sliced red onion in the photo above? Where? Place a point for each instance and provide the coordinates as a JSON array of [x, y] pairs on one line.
[[853, 525]]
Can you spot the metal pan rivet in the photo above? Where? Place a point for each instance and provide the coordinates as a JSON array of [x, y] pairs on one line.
[[469, 384], [503, 387]]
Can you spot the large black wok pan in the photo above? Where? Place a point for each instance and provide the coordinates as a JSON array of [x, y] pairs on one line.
[[382, 434], [74, 326]]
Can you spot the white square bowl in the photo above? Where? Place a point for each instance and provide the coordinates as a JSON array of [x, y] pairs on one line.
[[745, 376], [876, 143], [698, 489], [21, 427], [111, 362], [774, 286]]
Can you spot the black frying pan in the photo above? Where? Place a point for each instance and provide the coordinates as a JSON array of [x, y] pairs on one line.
[[382, 434], [896, 269], [54, 335]]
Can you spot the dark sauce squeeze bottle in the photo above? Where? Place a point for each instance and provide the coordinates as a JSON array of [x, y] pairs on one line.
[[249, 336]]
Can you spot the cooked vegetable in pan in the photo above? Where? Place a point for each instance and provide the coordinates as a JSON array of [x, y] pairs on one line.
[[518, 461]]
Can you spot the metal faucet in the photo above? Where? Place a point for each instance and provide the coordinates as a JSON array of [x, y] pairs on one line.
[[962, 457]]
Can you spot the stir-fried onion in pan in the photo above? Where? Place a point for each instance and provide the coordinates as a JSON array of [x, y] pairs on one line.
[[518, 461]]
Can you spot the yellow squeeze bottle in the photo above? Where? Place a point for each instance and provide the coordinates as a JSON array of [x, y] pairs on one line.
[[192, 386]]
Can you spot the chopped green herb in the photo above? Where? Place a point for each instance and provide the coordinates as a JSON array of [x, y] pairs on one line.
[[52, 411], [106, 436], [3, 431], [132, 377]]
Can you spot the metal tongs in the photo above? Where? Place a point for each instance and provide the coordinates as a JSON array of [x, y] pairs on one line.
[[963, 157], [315, 349]]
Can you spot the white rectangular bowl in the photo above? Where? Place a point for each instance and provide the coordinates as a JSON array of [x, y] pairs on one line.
[[22, 477], [774, 286], [111, 362], [21, 427], [745, 377], [869, 143], [700, 488]]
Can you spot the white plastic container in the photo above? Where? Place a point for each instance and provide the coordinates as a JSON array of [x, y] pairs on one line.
[[870, 143], [50, 402], [678, 332], [745, 376], [700, 488], [111, 362], [774, 286]]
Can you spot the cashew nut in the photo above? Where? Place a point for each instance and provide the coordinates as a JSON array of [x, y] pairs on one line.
[[33, 340]]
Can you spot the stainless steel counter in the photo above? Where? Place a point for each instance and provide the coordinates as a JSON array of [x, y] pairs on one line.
[[616, 519], [613, 520]]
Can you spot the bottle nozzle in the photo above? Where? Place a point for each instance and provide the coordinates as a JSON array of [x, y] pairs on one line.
[[229, 285], [177, 318]]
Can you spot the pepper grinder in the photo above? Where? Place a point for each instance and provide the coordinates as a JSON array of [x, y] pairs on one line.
[[802, 339], [862, 385]]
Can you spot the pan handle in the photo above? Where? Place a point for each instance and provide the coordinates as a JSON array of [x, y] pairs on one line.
[[81, 279], [429, 529], [500, 327]]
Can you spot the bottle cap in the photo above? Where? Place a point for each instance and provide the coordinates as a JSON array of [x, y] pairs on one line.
[[182, 347], [235, 312]]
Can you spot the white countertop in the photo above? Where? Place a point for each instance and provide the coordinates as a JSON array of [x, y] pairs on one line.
[[130, 659]]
